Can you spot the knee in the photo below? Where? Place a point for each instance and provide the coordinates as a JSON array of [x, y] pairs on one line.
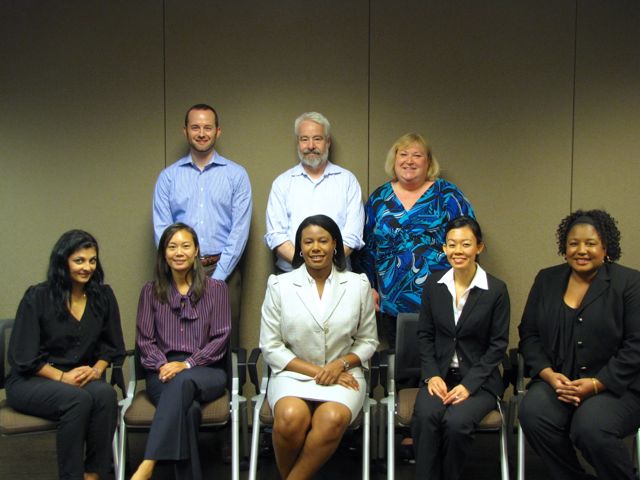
[[426, 411], [529, 418], [291, 421], [332, 421], [78, 405], [586, 434], [454, 425], [104, 395]]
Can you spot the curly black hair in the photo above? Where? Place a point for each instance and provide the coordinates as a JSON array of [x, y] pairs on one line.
[[604, 224]]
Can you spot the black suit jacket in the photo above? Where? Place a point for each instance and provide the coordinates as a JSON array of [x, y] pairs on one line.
[[480, 338], [607, 333]]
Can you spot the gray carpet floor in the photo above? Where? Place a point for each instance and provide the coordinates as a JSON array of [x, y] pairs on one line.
[[33, 457]]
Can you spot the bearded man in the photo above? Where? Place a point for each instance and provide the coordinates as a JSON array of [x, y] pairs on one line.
[[314, 186]]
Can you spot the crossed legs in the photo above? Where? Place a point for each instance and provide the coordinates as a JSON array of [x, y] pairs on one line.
[[305, 435]]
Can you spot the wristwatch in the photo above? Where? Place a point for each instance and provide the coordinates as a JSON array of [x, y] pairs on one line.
[[345, 364]]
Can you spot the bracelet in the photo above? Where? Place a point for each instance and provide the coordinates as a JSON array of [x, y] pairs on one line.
[[61, 375], [595, 386]]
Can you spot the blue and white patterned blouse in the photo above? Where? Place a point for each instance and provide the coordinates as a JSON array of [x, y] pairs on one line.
[[403, 247]]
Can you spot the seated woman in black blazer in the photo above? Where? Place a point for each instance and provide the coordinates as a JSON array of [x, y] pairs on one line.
[[463, 334], [580, 339]]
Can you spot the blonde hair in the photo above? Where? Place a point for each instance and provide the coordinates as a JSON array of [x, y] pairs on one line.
[[433, 170]]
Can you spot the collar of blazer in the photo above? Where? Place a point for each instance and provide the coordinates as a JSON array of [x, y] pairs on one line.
[[599, 285], [338, 289]]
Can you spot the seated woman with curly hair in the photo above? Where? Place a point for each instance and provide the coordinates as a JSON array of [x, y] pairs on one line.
[[580, 338]]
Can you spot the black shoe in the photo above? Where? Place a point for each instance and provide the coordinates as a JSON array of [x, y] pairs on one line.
[[405, 454]]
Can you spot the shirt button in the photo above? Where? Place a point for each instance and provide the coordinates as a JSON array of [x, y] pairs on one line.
[[580, 343], [579, 319], [583, 368]]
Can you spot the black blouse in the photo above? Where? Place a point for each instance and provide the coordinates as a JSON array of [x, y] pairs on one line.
[[40, 337]]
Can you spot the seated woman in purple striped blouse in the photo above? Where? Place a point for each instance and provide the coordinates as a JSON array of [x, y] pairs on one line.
[[183, 329]]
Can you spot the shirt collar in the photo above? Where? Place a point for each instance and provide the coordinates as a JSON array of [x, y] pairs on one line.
[[312, 281], [216, 159], [479, 279], [330, 169]]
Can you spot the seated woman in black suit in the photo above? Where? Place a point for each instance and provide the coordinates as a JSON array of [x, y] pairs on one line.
[[463, 334], [580, 339], [66, 332]]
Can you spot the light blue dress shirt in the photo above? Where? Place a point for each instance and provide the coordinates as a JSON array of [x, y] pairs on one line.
[[215, 202], [295, 196]]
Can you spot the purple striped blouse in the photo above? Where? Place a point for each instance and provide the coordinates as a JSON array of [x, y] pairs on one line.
[[178, 326]]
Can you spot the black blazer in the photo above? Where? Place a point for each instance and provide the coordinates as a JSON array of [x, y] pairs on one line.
[[607, 333], [480, 338]]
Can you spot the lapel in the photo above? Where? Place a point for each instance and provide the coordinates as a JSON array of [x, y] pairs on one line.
[[472, 299], [599, 285], [299, 282], [442, 308], [338, 289]]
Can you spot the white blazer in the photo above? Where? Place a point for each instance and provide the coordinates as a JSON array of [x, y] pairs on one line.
[[292, 328]]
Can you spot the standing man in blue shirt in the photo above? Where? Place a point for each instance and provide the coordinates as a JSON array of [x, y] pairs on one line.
[[211, 194], [314, 186]]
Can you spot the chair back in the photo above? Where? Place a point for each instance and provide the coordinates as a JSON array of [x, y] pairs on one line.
[[407, 354]]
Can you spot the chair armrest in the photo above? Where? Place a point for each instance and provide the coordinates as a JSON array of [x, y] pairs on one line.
[[374, 372], [383, 370], [131, 387], [509, 369], [252, 366], [520, 379], [117, 377], [5, 325], [241, 359]]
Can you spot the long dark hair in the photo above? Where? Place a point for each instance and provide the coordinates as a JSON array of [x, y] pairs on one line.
[[59, 278], [322, 221], [163, 277]]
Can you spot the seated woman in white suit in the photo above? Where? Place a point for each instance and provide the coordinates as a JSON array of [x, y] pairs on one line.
[[318, 330]]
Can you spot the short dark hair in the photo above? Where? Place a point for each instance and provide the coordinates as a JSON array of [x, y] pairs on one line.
[[163, 276], [604, 224], [322, 221], [202, 106], [465, 221], [59, 277]]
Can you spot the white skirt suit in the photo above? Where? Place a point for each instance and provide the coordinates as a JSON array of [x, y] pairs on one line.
[[293, 327]]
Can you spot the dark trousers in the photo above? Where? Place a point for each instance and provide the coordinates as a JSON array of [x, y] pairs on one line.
[[442, 435], [86, 415], [174, 431], [234, 286], [597, 428], [387, 325]]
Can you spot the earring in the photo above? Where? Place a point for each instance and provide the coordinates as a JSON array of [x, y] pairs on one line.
[[300, 253], [335, 251], [608, 259]]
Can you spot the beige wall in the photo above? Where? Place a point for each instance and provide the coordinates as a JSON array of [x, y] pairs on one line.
[[532, 107]]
